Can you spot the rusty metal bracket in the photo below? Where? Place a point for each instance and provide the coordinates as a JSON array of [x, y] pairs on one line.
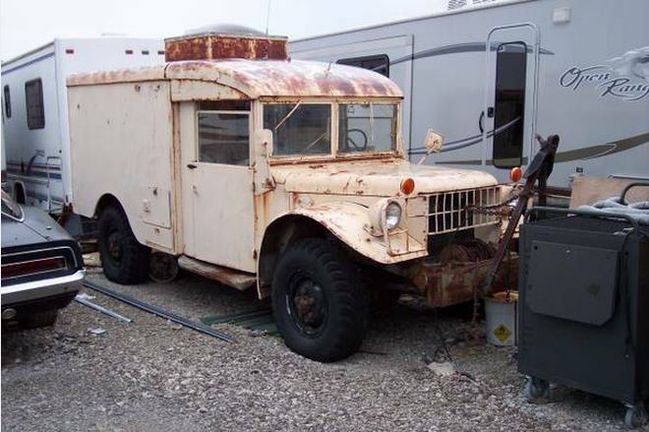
[[539, 170]]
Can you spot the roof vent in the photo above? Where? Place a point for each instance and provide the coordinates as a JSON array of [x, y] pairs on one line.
[[231, 29], [224, 42]]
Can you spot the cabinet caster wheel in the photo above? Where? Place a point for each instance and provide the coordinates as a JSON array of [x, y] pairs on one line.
[[536, 388], [635, 416]]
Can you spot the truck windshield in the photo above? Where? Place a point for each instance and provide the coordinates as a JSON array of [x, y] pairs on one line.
[[299, 129], [368, 127]]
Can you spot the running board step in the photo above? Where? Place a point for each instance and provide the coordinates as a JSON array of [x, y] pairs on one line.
[[232, 278]]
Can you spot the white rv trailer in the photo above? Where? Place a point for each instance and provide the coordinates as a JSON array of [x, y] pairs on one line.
[[577, 68], [35, 110]]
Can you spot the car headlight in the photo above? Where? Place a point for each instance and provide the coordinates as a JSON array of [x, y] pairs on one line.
[[392, 215]]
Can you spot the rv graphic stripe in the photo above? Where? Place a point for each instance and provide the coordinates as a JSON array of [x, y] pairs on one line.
[[584, 153], [467, 142], [34, 173], [456, 49], [36, 60]]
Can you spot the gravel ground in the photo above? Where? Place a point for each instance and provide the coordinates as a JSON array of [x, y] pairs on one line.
[[153, 375]]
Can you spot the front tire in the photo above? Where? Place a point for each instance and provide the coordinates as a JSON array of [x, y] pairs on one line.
[[319, 302], [123, 258]]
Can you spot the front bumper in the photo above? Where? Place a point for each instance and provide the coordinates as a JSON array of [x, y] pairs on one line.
[[459, 282], [61, 286]]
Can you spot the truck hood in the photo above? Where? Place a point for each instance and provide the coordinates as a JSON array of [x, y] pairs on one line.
[[378, 177]]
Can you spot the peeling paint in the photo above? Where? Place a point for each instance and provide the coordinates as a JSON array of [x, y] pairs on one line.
[[257, 79], [211, 46]]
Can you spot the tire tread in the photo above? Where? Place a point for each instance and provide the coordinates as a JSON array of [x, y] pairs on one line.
[[134, 268], [346, 291]]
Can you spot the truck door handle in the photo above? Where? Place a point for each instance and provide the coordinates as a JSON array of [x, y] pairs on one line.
[[480, 122], [191, 166]]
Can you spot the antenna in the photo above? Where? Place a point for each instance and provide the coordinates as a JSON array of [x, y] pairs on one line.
[[267, 16]]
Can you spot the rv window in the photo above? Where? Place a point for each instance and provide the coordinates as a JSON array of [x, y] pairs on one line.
[[34, 103], [509, 116], [7, 101], [223, 137], [377, 63], [367, 127], [299, 129]]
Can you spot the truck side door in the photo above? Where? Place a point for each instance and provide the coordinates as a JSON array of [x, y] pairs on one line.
[[217, 183]]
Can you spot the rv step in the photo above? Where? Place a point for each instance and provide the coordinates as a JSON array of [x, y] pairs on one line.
[[229, 277]]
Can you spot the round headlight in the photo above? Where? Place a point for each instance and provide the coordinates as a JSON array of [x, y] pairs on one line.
[[392, 215]]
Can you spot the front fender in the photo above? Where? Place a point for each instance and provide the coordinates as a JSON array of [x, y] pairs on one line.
[[349, 222]]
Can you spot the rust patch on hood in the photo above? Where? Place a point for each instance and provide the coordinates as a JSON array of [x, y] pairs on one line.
[[372, 179]]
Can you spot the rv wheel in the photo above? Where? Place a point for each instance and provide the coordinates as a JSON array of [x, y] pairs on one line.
[[123, 258], [319, 302]]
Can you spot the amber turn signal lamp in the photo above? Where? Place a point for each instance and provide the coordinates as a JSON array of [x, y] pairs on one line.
[[516, 174], [407, 186]]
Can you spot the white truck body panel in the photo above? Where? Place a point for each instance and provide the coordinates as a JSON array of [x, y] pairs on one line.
[[38, 160], [140, 156], [587, 80]]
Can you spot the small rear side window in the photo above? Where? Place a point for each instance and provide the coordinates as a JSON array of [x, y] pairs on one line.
[[34, 103], [7, 101]]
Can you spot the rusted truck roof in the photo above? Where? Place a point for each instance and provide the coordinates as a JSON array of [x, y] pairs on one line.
[[258, 78]]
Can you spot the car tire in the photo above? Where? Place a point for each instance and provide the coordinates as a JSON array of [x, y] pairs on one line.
[[319, 302], [123, 258], [40, 319]]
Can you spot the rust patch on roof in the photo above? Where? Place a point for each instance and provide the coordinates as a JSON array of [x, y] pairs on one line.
[[148, 73], [287, 78], [260, 78]]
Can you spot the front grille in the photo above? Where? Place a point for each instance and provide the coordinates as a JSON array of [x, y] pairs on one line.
[[449, 211]]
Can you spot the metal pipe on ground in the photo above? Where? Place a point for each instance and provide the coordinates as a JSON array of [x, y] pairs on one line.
[[156, 310], [101, 309]]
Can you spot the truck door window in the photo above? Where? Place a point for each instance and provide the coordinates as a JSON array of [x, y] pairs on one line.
[[34, 104], [299, 129], [509, 116], [7, 101], [367, 127], [376, 63], [224, 137]]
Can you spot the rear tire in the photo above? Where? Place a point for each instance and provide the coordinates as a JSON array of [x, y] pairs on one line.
[[40, 319], [320, 305], [123, 258]]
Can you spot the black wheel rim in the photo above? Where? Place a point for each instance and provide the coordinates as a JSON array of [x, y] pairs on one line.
[[114, 247], [307, 305]]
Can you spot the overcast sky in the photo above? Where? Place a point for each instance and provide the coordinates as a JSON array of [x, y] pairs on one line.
[[26, 24]]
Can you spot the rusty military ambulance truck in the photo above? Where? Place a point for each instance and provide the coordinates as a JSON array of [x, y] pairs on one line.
[[233, 161]]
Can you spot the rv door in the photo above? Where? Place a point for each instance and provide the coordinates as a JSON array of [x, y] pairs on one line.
[[508, 121]]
